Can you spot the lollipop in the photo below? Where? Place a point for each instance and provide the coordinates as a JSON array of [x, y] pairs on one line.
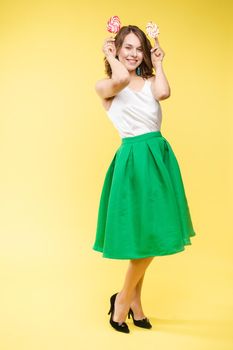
[[152, 30], [114, 24]]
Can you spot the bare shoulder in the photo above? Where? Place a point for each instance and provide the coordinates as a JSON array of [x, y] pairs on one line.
[[151, 79], [157, 95]]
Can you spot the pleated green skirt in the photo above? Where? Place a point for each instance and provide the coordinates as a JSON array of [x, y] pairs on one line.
[[143, 209]]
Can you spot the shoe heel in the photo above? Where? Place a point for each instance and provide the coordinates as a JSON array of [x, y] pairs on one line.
[[112, 302], [119, 327]]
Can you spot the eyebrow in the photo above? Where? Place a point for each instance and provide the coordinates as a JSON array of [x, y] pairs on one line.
[[132, 45]]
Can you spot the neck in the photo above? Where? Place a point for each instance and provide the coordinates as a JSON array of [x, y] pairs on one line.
[[133, 74]]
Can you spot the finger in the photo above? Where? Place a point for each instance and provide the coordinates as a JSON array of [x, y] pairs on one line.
[[109, 44], [154, 49]]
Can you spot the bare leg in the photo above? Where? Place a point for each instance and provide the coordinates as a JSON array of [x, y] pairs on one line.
[[136, 304], [135, 272]]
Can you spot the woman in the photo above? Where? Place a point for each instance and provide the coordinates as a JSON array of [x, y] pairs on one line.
[[143, 210]]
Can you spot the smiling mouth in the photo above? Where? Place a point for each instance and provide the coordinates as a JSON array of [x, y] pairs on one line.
[[132, 61]]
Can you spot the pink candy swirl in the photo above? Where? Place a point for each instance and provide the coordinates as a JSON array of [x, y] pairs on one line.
[[114, 24], [152, 29]]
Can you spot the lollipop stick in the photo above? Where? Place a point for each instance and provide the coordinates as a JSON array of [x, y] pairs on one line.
[[156, 42]]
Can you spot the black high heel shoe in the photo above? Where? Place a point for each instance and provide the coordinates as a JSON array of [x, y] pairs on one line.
[[144, 323], [121, 327]]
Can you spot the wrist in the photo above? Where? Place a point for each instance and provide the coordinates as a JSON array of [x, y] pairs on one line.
[[158, 64], [109, 56]]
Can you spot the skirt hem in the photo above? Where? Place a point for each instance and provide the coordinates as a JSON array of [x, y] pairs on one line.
[[104, 255]]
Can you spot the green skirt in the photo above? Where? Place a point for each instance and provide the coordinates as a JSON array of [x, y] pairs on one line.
[[143, 209]]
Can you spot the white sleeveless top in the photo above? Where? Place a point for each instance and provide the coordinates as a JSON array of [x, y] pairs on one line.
[[135, 112]]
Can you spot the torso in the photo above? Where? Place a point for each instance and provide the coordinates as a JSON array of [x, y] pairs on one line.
[[136, 85]]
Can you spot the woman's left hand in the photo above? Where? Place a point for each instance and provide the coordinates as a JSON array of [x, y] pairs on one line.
[[157, 54]]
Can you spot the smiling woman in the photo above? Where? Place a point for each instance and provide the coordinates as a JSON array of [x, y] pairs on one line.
[[137, 45], [143, 210]]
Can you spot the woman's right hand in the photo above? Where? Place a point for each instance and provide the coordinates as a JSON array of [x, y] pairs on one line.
[[109, 48]]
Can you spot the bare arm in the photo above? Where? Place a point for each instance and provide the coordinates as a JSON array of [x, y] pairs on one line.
[[160, 85], [107, 88]]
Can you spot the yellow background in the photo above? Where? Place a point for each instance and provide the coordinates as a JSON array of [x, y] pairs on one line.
[[56, 143]]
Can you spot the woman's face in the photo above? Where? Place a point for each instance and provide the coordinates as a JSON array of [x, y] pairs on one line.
[[130, 53]]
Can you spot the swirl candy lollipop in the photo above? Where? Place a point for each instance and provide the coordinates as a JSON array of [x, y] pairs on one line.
[[152, 30], [114, 24]]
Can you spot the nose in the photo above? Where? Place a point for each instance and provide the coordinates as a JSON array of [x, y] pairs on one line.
[[133, 52]]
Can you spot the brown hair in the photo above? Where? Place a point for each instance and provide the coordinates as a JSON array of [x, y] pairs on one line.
[[146, 65]]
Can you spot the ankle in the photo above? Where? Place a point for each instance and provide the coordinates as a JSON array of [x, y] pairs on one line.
[[136, 300], [124, 299], [136, 305]]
